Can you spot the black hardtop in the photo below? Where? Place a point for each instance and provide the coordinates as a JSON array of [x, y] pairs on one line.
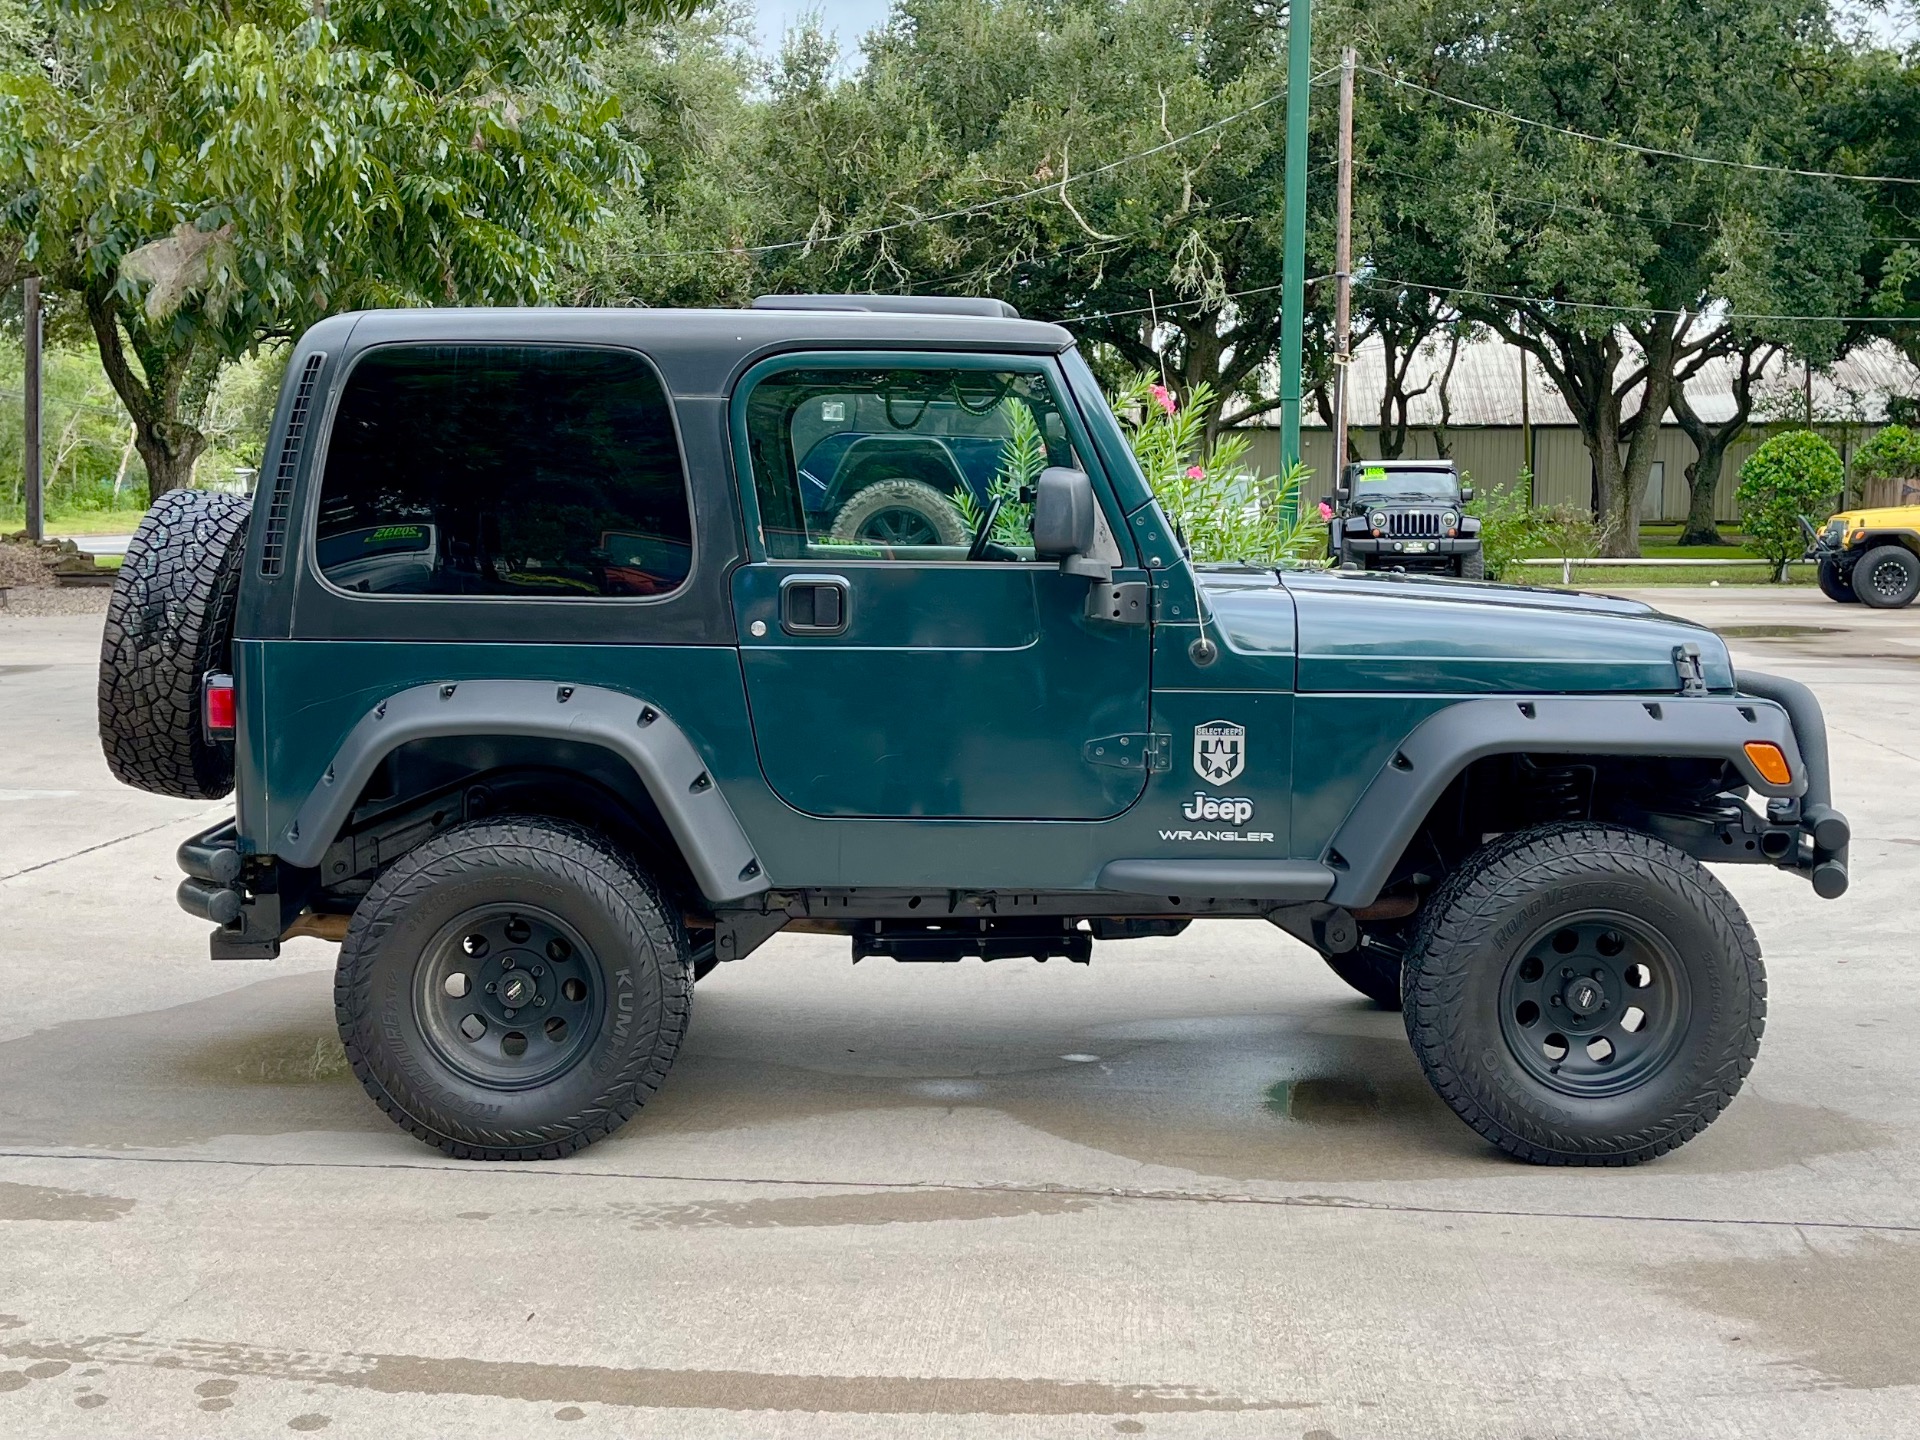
[[698, 351]]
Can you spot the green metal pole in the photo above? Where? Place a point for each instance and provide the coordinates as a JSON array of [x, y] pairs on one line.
[[1293, 298]]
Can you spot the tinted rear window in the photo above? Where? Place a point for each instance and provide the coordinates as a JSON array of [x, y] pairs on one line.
[[504, 470]]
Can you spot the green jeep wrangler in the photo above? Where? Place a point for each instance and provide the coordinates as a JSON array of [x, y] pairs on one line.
[[542, 688]]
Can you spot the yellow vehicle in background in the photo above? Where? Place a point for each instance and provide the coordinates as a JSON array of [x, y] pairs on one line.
[[1872, 556]]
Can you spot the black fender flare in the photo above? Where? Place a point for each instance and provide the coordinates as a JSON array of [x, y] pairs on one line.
[[1383, 822], [703, 824]]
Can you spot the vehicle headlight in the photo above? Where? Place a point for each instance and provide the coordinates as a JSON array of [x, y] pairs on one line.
[[1449, 520], [1378, 519]]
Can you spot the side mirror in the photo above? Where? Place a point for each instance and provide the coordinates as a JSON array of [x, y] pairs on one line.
[[1342, 494], [1466, 494], [1065, 523]]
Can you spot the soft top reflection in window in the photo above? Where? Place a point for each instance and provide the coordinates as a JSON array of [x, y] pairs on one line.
[[504, 470]]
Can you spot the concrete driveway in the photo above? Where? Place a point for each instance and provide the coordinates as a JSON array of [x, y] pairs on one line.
[[1196, 1189]]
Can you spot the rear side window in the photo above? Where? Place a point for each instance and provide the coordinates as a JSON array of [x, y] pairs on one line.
[[504, 470]]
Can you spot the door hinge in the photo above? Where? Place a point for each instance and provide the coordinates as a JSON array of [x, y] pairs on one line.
[[1118, 602], [1149, 753]]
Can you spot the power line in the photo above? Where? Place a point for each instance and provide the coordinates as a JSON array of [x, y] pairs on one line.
[[1652, 150], [1386, 282]]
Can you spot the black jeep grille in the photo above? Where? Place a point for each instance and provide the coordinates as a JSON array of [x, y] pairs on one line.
[[1414, 524], [273, 543]]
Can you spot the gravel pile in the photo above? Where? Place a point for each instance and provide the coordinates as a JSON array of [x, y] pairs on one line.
[[23, 566]]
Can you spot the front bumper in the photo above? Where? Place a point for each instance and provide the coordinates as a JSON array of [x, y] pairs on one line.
[[1444, 547]]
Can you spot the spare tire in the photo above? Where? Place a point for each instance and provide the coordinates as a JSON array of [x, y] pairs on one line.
[[170, 623], [900, 512]]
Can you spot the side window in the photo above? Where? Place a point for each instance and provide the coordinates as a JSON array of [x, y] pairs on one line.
[[504, 470], [901, 464]]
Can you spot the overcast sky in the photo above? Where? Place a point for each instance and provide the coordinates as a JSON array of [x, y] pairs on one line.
[[848, 19]]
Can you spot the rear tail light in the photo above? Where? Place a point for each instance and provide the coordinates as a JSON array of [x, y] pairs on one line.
[[216, 706]]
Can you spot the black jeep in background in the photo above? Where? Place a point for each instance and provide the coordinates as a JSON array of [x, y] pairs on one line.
[[1405, 515]]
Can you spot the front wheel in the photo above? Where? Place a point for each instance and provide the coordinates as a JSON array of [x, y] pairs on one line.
[[1472, 566], [513, 989], [1834, 585], [1887, 577], [1584, 995]]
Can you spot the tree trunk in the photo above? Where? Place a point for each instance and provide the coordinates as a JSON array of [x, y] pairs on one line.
[[167, 443], [1711, 443], [1703, 489]]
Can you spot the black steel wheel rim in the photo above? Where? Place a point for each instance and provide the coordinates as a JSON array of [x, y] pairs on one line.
[[509, 996], [1889, 579], [900, 526], [1595, 1004]]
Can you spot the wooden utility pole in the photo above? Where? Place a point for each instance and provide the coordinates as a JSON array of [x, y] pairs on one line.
[[36, 511], [1526, 427], [1343, 272]]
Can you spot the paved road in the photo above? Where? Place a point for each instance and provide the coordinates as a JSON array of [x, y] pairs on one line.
[[1198, 1189]]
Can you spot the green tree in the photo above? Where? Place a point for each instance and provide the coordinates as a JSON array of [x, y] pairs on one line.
[[978, 150], [1892, 454], [1623, 272], [1796, 474], [204, 178]]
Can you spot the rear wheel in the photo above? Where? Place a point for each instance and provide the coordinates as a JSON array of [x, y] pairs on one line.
[[900, 512], [1584, 995], [513, 990], [1887, 577], [1834, 585]]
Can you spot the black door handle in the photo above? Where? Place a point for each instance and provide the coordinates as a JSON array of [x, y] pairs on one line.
[[813, 605]]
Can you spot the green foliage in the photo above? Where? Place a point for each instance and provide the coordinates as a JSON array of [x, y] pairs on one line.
[[1225, 512], [1794, 474], [974, 106], [1506, 527], [208, 177], [1892, 454], [1021, 461], [1511, 529]]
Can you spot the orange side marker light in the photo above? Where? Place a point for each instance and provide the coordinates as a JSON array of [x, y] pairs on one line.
[[1769, 761]]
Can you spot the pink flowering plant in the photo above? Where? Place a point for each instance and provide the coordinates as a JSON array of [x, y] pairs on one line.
[[1226, 510]]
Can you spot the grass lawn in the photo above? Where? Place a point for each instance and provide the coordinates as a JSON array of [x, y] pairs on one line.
[[1660, 542], [78, 522], [1622, 577]]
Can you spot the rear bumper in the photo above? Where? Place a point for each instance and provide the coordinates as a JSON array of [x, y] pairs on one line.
[[249, 901]]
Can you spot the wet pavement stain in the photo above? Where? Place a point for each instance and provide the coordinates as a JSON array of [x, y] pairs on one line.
[[297, 1055], [13, 1380], [47, 1202], [884, 1207], [1850, 1313], [309, 1422], [1325, 1100], [649, 1387], [1327, 1091]]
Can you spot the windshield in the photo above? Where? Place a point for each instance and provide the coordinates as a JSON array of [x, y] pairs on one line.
[[1376, 482]]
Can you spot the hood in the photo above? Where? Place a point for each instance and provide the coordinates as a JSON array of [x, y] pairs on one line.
[[1882, 517], [1385, 632]]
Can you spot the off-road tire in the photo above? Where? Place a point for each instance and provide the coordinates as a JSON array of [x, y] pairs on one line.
[[1473, 566], [1887, 577], [1374, 974], [170, 622], [636, 938], [1481, 921], [914, 497], [1834, 585]]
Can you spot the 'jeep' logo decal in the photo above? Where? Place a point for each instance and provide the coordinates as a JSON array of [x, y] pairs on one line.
[[1219, 751]]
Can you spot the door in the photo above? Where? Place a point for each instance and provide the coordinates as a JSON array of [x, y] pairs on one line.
[[905, 654]]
